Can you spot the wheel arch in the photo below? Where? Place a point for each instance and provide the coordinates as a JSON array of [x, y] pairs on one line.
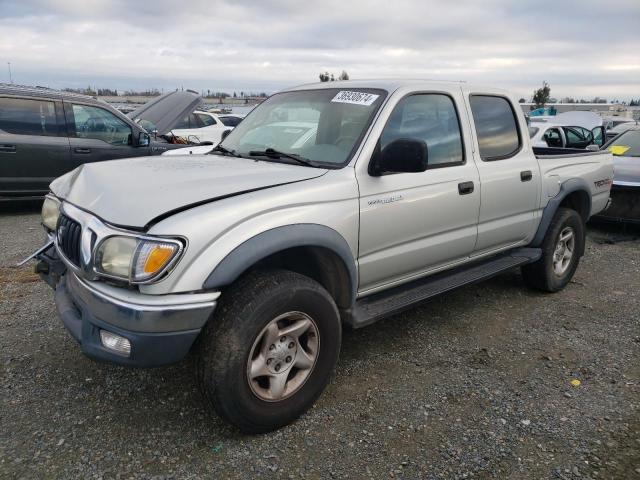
[[316, 251], [574, 194]]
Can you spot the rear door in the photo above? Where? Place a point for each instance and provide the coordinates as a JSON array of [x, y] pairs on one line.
[[509, 173], [414, 223], [96, 134], [577, 137], [34, 148]]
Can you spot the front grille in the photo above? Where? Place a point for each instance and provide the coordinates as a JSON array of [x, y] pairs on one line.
[[69, 232]]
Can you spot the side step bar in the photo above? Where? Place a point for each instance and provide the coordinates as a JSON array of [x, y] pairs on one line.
[[384, 304]]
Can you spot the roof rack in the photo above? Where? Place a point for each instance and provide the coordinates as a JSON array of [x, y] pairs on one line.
[[42, 91]]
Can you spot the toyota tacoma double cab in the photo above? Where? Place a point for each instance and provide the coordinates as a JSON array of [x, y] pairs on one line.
[[330, 205]]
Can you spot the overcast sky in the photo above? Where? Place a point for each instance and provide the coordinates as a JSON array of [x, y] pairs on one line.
[[582, 48]]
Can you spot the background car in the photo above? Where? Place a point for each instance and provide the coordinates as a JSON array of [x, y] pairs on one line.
[[622, 127], [625, 191], [45, 133], [544, 134], [174, 117], [200, 126]]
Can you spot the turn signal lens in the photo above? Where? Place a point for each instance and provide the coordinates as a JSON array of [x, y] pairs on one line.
[[152, 258]]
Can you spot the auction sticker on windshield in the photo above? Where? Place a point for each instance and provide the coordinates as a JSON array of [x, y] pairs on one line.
[[355, 98]]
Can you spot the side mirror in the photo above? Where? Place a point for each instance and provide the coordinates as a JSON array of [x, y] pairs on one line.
[[143, 139], [224, 135], [593, 148], [404, 155]]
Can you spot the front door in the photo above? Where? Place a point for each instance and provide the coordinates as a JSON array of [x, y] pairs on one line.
[[414, 223], [97, 134]]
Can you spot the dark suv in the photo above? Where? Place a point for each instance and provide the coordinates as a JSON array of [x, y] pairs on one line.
[[45, 133]]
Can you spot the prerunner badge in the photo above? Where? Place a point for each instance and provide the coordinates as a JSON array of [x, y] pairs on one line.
[[356, 98]]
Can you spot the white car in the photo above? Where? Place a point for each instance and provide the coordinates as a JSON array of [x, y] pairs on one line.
[[553, 135], [174, 117], [199, 127]]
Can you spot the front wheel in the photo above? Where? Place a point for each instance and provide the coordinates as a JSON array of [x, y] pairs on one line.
[[270, 350], [561, 249]]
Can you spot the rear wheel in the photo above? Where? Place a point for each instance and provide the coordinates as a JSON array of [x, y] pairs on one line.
[[561, 249], [269, 351]]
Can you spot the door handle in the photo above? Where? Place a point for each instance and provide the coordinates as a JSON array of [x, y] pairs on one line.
[[465, 188], [82, 150], [7, 149], [526, 176]]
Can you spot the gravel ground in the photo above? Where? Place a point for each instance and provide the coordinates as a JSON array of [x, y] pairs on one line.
[[475, 384]]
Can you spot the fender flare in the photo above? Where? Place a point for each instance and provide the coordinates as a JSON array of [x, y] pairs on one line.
[[276, 240], [567, 187]]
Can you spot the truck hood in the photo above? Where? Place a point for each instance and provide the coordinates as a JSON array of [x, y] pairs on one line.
[[163, 112], [134, 192]]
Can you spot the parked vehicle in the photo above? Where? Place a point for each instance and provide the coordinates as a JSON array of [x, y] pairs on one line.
[[622, 127], [564, 136], [46, 133], [174, 117], [256, 255], [625, 192]]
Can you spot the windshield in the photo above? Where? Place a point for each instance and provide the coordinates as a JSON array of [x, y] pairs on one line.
[[626, 144], [324, 126]]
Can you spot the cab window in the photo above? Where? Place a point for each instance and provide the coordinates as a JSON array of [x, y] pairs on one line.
[[496, 127], [431, 118], [99, 124]]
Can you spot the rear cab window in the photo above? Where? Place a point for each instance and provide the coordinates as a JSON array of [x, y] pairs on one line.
[[496, 127], [21, 116]]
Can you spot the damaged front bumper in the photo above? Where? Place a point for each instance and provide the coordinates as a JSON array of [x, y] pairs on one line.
[[157, 329]]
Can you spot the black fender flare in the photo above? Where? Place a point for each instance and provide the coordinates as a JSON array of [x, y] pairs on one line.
[[567, 187], [276, 240]]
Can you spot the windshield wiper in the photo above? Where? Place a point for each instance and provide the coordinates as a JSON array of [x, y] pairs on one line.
[[272, 153], [224, 151]]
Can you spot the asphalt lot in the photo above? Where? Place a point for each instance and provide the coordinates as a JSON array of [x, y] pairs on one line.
[[475, 384]]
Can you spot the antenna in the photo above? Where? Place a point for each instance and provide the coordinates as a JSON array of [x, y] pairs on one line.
[[10, 78]]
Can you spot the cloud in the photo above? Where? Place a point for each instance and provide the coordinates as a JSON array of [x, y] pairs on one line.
[[584, 48]]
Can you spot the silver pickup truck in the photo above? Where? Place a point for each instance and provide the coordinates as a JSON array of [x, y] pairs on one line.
[[329, 205]]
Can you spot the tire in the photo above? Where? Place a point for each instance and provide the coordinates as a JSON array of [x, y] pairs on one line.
[[243, 327], [547, 274]]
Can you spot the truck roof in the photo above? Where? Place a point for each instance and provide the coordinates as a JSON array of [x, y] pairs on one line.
[[43, 92], [390, 85]]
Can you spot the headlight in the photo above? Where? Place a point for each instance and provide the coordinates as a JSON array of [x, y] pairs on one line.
[[50, 212], [137, 260]]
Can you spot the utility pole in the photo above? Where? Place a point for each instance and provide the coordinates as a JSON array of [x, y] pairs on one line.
[[10, 78]]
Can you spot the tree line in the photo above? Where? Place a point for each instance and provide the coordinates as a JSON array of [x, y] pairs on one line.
[[542, 96]]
